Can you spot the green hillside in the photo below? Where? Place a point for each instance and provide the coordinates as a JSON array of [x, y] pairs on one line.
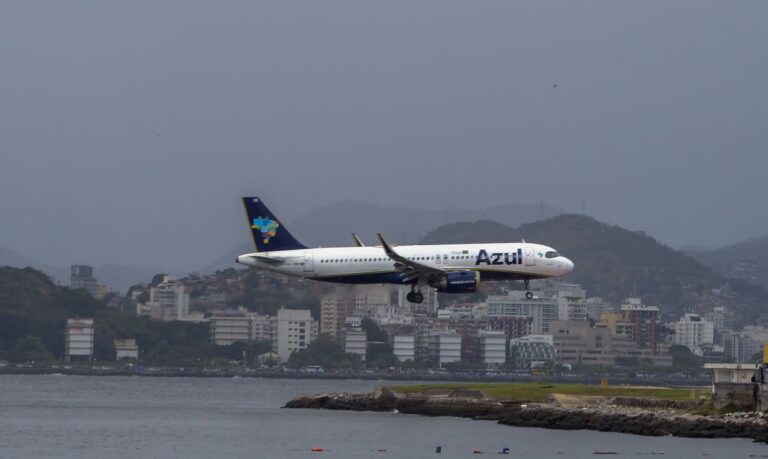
[[33, 314], [614, 263], [32, 305]]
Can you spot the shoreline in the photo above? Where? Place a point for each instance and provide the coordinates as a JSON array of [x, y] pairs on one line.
[[271, 374], [611, 418]]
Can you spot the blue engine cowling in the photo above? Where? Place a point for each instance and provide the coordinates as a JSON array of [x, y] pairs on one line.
[[458, 282]]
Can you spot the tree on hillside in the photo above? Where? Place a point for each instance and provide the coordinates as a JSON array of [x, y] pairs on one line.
[[372, 331], [29, 349], [324, 352], [157, 279], [684, 359]]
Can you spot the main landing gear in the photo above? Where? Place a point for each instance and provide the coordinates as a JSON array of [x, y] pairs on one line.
[[414, 296], [528, 293]]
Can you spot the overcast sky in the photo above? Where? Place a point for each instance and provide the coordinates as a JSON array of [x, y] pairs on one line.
[[128, 130]]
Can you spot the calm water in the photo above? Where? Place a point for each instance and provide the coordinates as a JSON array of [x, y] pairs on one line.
[[74, 417]]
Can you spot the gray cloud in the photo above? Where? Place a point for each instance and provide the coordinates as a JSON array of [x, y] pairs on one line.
[[129, 129]]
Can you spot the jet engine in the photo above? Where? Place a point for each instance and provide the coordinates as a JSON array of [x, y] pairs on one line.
[[458, 282]]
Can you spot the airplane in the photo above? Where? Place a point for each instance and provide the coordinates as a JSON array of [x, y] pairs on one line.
[[449, 268]]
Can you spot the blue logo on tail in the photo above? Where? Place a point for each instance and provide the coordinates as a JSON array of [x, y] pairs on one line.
[[267, 226]]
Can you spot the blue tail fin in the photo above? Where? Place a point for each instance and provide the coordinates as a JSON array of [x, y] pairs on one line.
[[269, 234]]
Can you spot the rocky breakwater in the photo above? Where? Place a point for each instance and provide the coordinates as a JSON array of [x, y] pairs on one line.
[[606, 418]]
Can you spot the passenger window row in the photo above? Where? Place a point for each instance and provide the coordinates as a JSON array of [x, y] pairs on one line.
[[367, 260]]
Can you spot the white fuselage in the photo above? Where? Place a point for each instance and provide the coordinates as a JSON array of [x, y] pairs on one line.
[[372, 265]]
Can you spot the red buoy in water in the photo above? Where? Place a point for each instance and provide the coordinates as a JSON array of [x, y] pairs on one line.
[[317, 449]]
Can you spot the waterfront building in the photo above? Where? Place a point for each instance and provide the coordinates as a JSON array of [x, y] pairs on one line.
[[493, 347], [444, 346], [333, 312], [295, 331], [735, 384], [571, 302], [404, 347], [644, 318], [355, 342], [695, 333], [126, 349], [263, 328], [536, 313], [617, 323], [739, 346], [578, 343], [78, 339], [228, 327], [722, 319], [596, 307], [167, 301], [81, 277], [532, 351]]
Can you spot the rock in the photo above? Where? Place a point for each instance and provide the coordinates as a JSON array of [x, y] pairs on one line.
[[652, 422]]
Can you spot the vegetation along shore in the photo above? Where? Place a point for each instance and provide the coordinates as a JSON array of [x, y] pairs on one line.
[[654, 411]]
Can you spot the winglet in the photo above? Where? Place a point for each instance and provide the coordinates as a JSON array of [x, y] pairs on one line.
[[357, 240], [387, 249]]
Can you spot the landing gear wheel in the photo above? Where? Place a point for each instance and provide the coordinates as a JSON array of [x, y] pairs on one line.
[[418, 297], [410, 298], [529, 293]]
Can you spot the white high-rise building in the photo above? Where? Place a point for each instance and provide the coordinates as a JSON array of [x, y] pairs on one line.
[[740, 346], [295, 330], [79, 339], [538, 312], [596, 307], [694, 332], [532, 351], [493, 346], [355, 342], [263, 328], [444, 346], [167, 301], [228, 327], [404, 347], [572, 302]]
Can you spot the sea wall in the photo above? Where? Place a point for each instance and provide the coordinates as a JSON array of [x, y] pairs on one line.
[[639, 421]]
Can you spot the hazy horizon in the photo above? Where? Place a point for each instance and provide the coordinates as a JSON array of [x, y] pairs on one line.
[[130, 130]]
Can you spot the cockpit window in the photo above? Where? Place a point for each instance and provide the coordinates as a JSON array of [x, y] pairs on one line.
[[552, 254]]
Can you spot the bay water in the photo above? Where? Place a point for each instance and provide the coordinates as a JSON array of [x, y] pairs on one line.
[[59, 416]]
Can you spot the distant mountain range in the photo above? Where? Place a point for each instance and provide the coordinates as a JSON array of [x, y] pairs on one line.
[[118, 277], [329, 225], [332, 224], [610, 261], [614, 263], [747, 260]]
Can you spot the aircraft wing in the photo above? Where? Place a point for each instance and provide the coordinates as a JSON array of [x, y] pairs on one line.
[[410, 268]]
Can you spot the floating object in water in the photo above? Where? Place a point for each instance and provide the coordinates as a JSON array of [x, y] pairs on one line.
[[504, 451], [477, 451], [605, 452], [438, 450], [317, 449]]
